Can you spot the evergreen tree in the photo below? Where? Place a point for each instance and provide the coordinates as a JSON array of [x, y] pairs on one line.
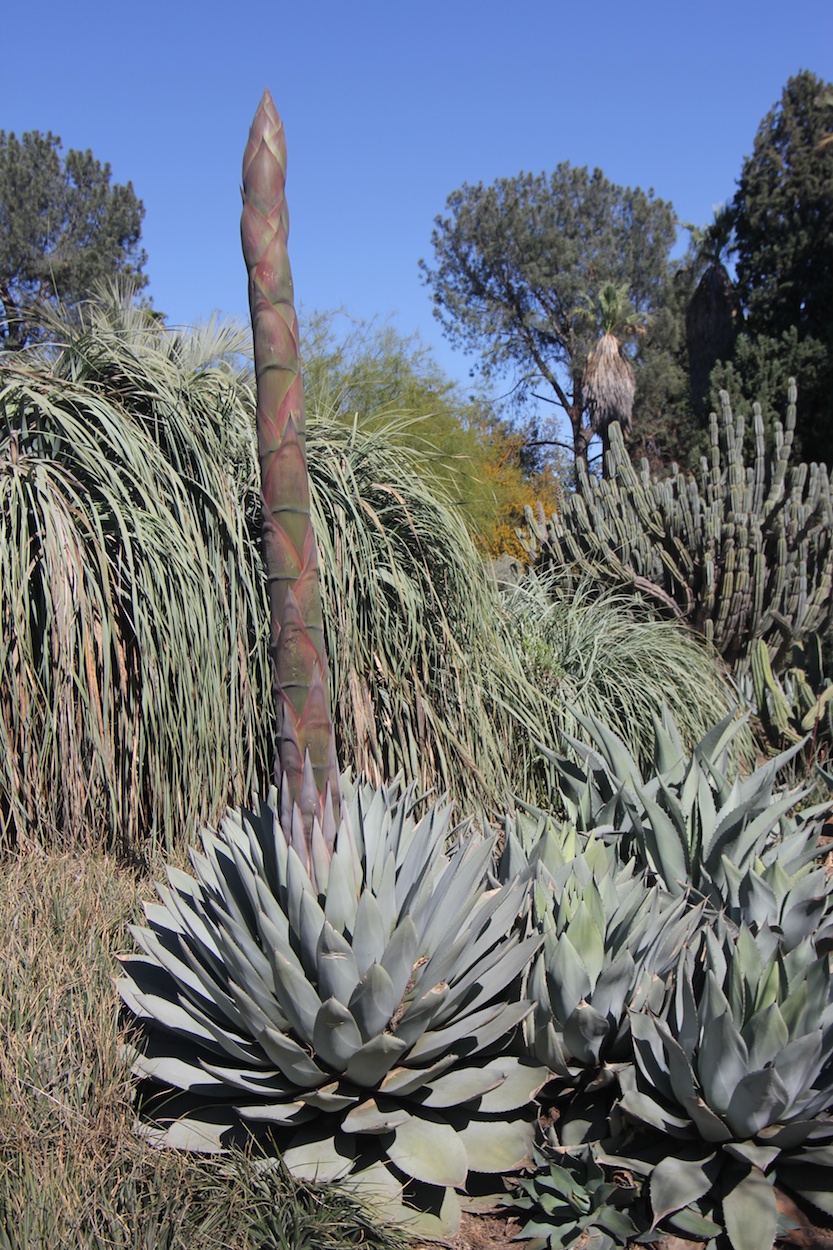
[[516, 263], [784, 244], [63, 228]]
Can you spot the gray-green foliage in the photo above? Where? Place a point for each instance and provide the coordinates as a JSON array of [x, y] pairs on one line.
[[737, 1074], [738, 551], [427, 677], [700, 828], [358, 1010], [133, 651], [129, 509], [570, 1199], [599, 652]]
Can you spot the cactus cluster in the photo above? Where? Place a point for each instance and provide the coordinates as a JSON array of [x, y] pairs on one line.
[[740, 552]]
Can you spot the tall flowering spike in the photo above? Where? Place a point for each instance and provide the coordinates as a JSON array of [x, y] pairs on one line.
[[299, 660]]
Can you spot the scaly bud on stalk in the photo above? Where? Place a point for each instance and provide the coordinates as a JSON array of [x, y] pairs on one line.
[[305, 763]]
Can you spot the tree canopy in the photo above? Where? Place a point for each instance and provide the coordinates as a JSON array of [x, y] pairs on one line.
[[64, 227], [369, 374], [521, 264], [783, 216]]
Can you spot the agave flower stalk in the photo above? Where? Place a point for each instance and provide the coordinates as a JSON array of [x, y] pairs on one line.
[[305, 765]]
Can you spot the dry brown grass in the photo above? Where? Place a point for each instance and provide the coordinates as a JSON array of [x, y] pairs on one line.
[[73, 1172]]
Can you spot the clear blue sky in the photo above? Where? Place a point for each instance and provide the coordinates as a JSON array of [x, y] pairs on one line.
[[388, 108]]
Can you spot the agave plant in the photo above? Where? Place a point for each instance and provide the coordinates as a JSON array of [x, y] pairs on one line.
[[610, 940], [359, 1010], [692, 823], [738, 1080], [570, 1199]]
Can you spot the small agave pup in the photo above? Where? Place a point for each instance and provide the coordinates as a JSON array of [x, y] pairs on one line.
[[338, 977]]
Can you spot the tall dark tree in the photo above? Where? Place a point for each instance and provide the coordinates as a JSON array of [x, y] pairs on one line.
[[713, 316], [784, 241], [64, 227], [516, 262]]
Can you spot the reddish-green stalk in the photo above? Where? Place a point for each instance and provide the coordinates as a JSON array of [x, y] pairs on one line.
[[305, 762]]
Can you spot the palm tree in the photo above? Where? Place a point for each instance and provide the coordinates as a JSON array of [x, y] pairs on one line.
[[713, 316], [608, 384]]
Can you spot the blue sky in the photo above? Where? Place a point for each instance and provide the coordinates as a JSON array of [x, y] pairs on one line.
[[388, 108]]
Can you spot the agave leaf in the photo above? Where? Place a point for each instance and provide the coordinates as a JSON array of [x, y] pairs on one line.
[[758, 1101], [497, 1145], [369, 936], [173, 1071], [649, 1036], [668, 852], [312, 921], [206, 1133], [613, 985], [462, 1085], [432, 1212], [335, 1035], [709, 1125], [374, 1059], [749, 1213], [677, 1182], [722, 1063], [588, 938], [744, 842], [338, 975], [746, 1152], [314, 1154], [694, 1225], [399, 956], [372, 1117], [813, 1184], [585, 1032], [496, 970], [293, 1060], [765, 1034], [385, 892], [285, 1113], [567, 978], [797, 1064], [342, 899], [473, 1032], [404, 1081], [420, 1013], [298, 1000], [373, 1002], [430, 1150], [643, 1108], [519, 1086]]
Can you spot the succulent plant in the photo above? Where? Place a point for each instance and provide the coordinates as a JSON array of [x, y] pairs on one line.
[[692, 823], [610, 937], [569, 1199], [739, 551], [738, 1080], [359, 1011]]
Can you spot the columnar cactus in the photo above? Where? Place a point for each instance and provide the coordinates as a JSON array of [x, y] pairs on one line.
[[305, 766], [743, 553]]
